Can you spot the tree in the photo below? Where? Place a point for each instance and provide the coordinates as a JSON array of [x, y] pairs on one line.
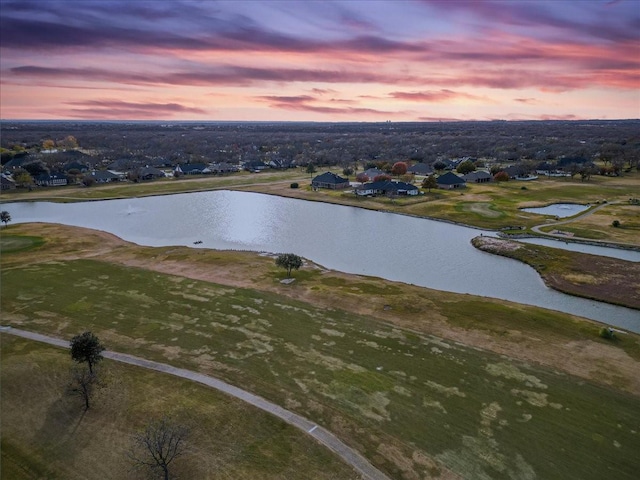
[[23, 178], [83, 383], [439, 165], [86, 348], [501, 177], [158, 446], [290, 261], [466, 167], [5, 217], [429, 183], [311, 169], [399, 168], [346, 171]]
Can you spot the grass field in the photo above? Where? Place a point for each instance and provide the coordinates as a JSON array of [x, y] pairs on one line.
[[417, 405], [47, 434]]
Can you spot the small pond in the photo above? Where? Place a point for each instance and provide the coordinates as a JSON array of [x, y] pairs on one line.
[[560, 210]]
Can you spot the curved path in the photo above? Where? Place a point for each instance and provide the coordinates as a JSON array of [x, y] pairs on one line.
[[573, 219], [349, 455]]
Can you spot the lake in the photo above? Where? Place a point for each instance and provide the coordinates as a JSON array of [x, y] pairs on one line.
[[402, 248]]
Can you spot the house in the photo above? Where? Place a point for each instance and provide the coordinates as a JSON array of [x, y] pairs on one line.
[[372, 173], [330, 180], [223, 167], [7, 183], [449, 181], [255, 166], [192, 169], [150, 173], [479, 176], [420, 169], [387, 187], [51, 180], [281, 163], [104, 176]]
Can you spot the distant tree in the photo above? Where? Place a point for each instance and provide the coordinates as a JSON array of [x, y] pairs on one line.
[[86, 348], [399, 168], [83, 383], [311, 169], [466, 167], [69, 142], [615, 223], [156, 448], [36, 168], [346, 171], [362, 177], [23, 178], [88, 181], [5, 217], [382, 177], [289, 261], [430, 182], [48, 144], [439, 165], [501, 176]]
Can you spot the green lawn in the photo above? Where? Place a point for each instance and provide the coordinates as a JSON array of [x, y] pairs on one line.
[[47, 434], [412, 403]]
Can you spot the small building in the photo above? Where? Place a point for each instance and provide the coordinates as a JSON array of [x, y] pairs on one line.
[[149, 173], [420, 169], [51, 180], [372, 173], [449, 181], [104, 176], [478, 177], [387, 187], [330, 180], [7, 183], [191, 169]]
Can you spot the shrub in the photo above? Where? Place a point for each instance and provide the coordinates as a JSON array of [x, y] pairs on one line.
[[294, 185], [607, 333], [616, 223]]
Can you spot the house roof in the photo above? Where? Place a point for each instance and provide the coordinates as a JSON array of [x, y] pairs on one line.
[[192, 167], [330, 177], [144, 171], [479, 175], [449, 178], [420, 168], [388, 185], [104, 175]]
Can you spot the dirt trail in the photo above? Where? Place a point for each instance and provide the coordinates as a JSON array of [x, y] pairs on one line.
[[320, 434]]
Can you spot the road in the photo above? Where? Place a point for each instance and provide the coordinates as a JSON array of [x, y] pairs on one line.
[[326, 438]]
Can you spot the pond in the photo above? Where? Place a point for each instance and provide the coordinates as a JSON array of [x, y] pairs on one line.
[[560, 210], [412, 250]]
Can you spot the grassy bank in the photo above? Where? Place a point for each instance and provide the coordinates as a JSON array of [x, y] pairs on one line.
[[47, 434], [601, 278], [421, 382]]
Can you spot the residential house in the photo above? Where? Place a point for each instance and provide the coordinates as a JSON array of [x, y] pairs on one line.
[[387, 187], [104, 176], [149, 173], [479, 176], [449, 181], [420, 169], [51, 180], [191, 169], [223, 167], [372, 173], [330, 180], [255, 166], [7, 183]]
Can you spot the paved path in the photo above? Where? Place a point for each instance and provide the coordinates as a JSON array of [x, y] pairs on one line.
[[349, 455], [563, 222]]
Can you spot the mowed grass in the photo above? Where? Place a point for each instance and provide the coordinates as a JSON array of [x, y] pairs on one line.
[[414, 404], [47, 434]]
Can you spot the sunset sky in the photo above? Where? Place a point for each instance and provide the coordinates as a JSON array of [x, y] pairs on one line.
[[335, 61]]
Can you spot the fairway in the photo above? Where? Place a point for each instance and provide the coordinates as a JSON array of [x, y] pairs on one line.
[[414, 404]]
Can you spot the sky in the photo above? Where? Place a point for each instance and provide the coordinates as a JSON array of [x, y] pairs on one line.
[[326, 61]]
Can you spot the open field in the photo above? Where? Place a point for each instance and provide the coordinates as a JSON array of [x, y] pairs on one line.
[[590, 276], [423, 383], [47, 434]]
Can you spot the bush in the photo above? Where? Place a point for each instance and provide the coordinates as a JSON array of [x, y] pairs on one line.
[[616, 223], [294, 185], [607, 333]]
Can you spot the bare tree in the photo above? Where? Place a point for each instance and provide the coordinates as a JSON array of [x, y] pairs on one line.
[[83, 383], [158, 446]]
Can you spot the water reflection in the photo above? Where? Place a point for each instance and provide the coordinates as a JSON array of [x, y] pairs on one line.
[[412, 250]]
